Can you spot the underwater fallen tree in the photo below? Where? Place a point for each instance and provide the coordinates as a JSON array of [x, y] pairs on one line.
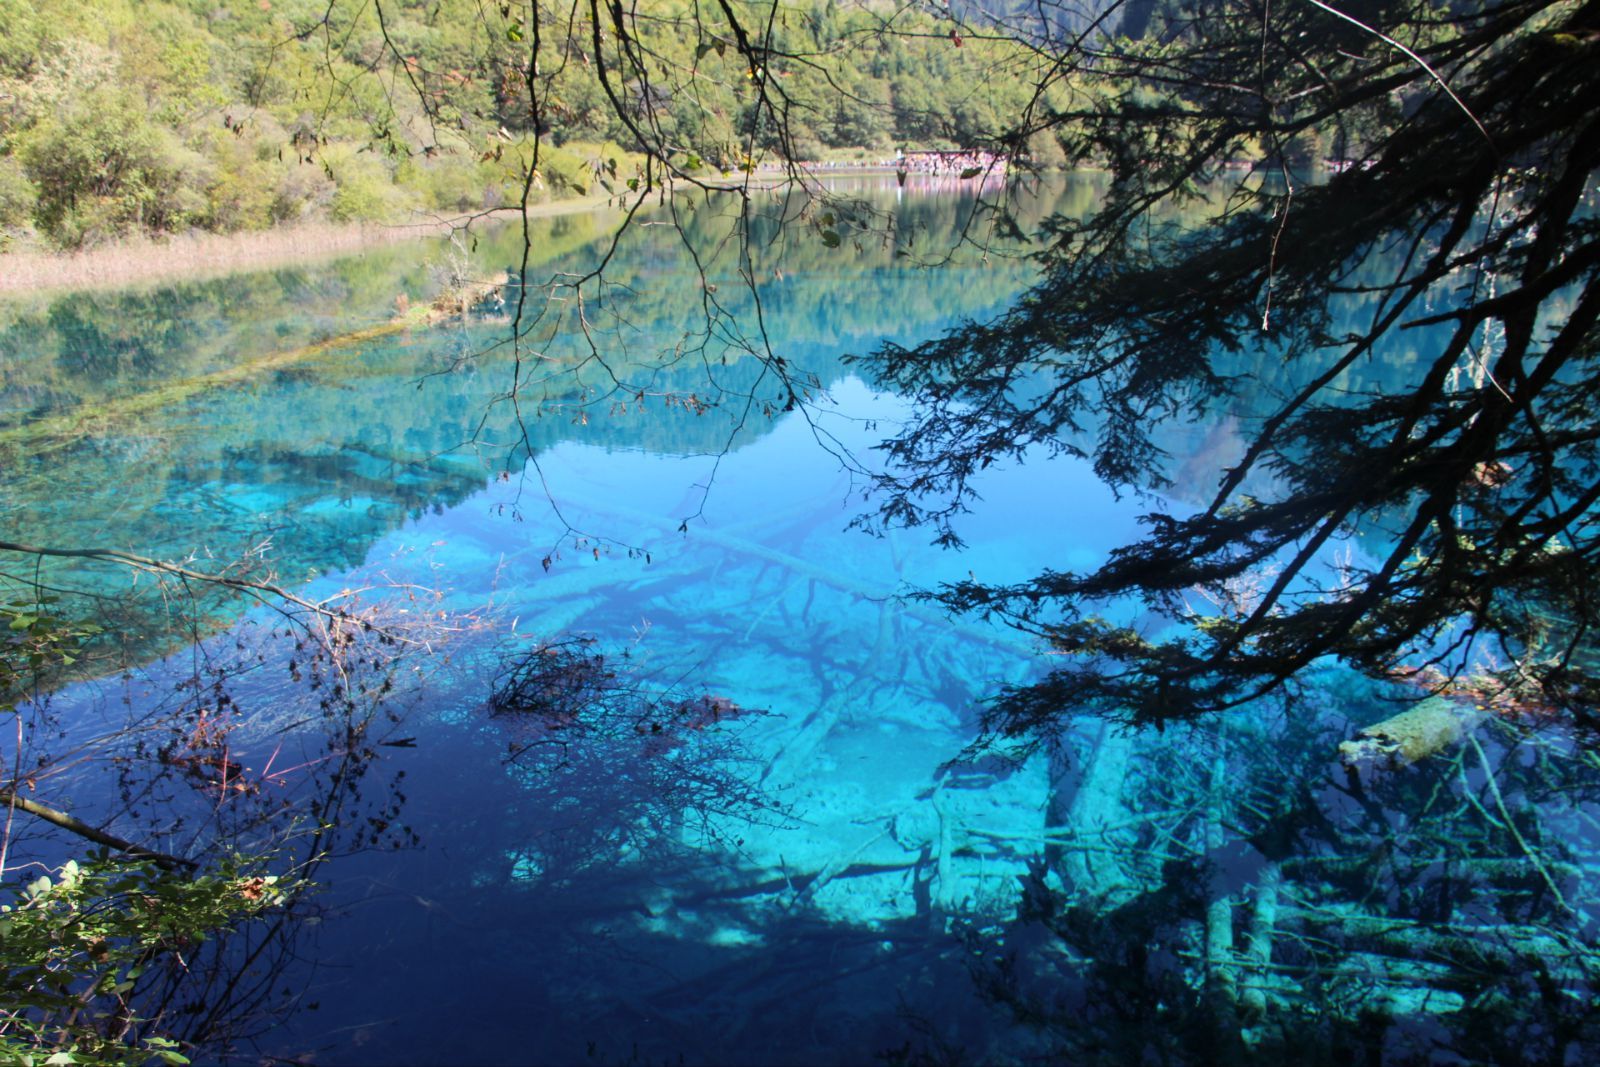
[[55, 817], [1424, 901], [1427, 729], [864, 588], [56, 431], [1082, 812], [1464, 947]]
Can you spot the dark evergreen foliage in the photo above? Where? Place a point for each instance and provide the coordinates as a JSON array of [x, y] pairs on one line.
[[1471, 136]]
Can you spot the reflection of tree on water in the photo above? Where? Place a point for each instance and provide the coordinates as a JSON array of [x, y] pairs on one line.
[[242, 782], [1230, 888], [1203, 896], [622, 773]]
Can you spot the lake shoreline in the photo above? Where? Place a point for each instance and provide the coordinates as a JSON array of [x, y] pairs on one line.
[[135, 262], [130, 264]]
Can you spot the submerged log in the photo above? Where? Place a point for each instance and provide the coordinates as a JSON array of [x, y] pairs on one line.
[[1079, 823], [1494, 869], [87, 419], [1358, 984], [1502, 946], [1222, 979], [454, 301], [1434, 725], [945, 896], [1258, 942], [863, 588]]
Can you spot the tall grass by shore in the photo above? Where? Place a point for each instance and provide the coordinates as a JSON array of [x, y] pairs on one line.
[[198, 255]]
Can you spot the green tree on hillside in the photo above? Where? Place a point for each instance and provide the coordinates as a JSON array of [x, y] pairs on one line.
[[119, 118]]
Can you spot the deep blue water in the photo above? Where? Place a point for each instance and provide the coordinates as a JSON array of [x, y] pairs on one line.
[[747, 842]]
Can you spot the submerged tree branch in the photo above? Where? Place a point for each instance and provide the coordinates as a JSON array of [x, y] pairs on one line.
[[74, 825]]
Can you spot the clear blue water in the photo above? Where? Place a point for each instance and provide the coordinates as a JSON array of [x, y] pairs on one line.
[[802, 875]]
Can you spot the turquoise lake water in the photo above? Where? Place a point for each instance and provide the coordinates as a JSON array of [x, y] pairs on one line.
[[729, 820]]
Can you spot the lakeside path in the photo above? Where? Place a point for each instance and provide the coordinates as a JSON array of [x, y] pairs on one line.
[[205, 255]]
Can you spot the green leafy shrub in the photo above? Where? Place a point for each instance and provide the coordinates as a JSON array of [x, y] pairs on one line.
[[242, 187], [103, 169], [302, 189], [23, 36], [77, 949], [17, 196], [450, 182], [363, 191]]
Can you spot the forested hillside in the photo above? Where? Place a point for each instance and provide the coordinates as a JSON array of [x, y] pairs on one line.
[[120, 117]]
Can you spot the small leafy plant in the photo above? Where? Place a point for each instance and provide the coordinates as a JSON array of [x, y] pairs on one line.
[[34, 642], [77, 949]]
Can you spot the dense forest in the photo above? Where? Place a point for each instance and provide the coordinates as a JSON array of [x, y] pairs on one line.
[[119, 117]]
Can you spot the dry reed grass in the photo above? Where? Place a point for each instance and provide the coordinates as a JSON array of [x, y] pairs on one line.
[[139, 261]]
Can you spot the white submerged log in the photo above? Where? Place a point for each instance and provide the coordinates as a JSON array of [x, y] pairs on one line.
[[1502, 945], [1258, 942], [1222, 972], [1081, 821]]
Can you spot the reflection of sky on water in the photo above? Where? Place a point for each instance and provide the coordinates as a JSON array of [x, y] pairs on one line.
[[786, 885], [767, 600], [814, 841]]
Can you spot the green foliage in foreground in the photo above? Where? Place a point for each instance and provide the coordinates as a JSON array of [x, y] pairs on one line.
[[85, 947], [77, 950]]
